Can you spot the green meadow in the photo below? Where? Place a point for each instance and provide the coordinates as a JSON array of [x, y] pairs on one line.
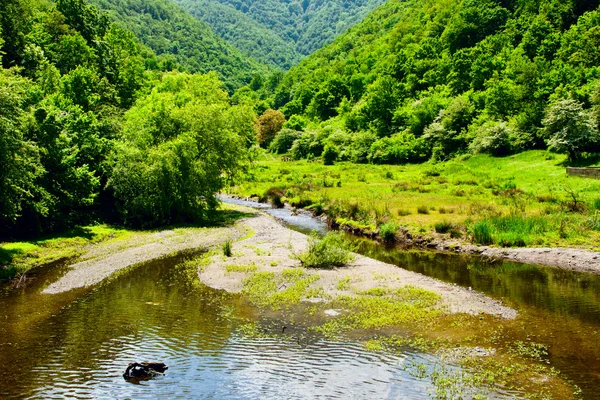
[[521, 200]]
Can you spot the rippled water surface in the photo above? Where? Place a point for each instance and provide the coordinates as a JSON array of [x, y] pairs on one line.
[[558, 308], [78, 344], [56, 346]]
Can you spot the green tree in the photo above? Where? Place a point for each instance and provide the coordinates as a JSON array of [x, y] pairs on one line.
[[19, 157], [569, 128], [268, 125], [180, 146]]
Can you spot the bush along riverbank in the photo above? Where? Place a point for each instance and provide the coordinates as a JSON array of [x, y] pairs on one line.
[[497, 207]]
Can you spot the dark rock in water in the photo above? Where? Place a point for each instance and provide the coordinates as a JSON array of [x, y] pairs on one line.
[[144, 370]]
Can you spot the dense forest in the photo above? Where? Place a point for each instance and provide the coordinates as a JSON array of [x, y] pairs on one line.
[[419, 80], [182, 41], [94, 126], [102, 117], [278, 32]]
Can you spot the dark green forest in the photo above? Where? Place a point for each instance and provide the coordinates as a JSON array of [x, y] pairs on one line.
[[278, 32], [420, 80], [95, 126]]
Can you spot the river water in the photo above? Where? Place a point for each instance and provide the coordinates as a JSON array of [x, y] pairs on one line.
[[556, 307], [77, 344]]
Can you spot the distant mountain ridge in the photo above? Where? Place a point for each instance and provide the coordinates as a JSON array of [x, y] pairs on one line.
[[278, 32], [173, 33]]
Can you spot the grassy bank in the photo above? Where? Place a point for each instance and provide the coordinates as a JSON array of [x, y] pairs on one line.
[[522, 200], [19, 257]]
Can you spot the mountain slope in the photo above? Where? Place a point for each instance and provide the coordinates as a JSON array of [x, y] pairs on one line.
[[245, 33], [279, 32], [169, 30], [459, 73]]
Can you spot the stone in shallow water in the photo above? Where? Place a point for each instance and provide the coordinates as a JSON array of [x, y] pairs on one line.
[[332, 313], [315, 300]]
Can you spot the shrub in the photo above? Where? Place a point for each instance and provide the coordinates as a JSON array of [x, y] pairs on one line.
[[306, 146], [492, 138], [296, 123], [403, 212], [482, 233], [387, 232], [569, 128], [268, 125], [445, 143], [227, 248], [283, 141], [423, 209], [274, 196], [443, 227], [358, 149], [331, 251], [400, 148], [330, 154]]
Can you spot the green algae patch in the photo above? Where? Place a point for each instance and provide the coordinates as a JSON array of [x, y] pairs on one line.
[[267, 289], [241, 268], [379, 308]]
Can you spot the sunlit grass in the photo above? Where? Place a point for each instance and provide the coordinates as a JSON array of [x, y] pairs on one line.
[[20, 257], [461, 192]]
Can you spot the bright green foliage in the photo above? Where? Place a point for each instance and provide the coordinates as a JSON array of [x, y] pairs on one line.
[[296, 122], [61, 115], [398, 149], [180, 40], [570, 129], [284, 140], [388, 232], [279, 32], [82, 72], [331, 251], [464, 75], [492, 138], [19, 157], [482, 234], [180, 146]]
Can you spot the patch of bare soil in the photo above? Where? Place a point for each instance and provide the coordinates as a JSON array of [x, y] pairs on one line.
[[102, 260]]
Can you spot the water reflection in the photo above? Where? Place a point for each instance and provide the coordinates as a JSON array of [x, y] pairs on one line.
[[80, 348], [559, 308], [302, 221]]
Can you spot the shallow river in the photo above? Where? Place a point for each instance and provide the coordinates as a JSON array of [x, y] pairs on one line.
[[77, 344], [556, 307]]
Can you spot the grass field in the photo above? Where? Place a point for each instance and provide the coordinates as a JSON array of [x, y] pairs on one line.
[[521, 200], [20, 257]]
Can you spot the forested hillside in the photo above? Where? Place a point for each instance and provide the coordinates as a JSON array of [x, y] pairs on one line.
[[181, 40], [279, 32], [92, 128], [423, 79]]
